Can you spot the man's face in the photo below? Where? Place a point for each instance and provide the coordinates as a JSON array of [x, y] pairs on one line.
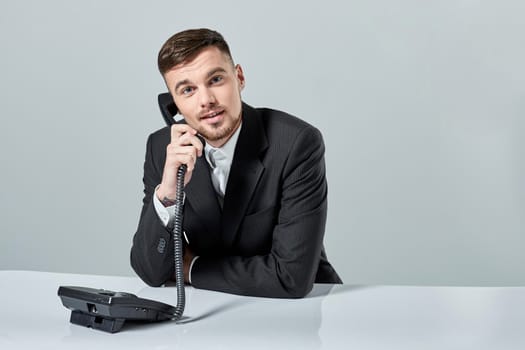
[[207, 92]]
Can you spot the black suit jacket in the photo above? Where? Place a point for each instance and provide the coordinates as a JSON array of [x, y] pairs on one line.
[[268, 238]]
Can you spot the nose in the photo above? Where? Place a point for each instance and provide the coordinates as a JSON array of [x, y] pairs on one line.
[[207, 98]]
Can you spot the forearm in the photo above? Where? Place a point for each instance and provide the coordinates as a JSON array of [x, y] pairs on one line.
[[287, 271], [152, 250]]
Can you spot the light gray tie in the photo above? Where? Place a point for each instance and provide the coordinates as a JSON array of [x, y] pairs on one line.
[[218, 165]]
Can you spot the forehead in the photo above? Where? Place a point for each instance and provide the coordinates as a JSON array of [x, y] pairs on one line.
[[205, 61]]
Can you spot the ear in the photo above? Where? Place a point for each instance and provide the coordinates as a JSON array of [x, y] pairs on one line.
[[240, 76]]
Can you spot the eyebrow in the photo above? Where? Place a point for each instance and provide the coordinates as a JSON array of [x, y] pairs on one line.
[[215, 71], [209, 75], [180, 83]]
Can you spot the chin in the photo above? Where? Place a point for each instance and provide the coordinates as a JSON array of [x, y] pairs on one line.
[[213, 136], [216, 135]]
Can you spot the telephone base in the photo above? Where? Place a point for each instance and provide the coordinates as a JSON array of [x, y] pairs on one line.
[[110, 325], [107, 311]]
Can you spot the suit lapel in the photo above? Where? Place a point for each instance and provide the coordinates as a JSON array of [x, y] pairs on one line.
[[245, 172]]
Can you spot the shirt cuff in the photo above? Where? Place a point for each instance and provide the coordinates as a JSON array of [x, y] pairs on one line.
[[191, 267], [165, 214]]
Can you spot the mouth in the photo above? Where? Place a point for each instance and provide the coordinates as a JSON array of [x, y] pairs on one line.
[[212, 117]]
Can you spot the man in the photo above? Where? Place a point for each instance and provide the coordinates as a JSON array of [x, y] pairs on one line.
[[255, 193]]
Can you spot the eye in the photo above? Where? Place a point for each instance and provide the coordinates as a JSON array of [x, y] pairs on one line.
[[186, 90], [216, 79]]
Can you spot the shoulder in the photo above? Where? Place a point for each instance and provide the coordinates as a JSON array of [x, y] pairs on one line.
[[159, 138], [282, 125]]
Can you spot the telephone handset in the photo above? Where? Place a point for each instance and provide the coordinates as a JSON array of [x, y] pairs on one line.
[[107, 310], [168, 109]]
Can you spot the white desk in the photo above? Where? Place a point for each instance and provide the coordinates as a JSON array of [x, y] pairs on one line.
[[332, 317]]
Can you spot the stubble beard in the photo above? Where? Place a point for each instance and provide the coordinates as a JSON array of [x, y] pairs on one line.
[[219, 131]]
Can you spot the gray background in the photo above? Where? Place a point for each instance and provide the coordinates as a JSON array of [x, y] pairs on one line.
[[421, 104]]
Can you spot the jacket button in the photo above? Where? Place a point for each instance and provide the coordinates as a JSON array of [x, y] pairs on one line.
[[161, 246]]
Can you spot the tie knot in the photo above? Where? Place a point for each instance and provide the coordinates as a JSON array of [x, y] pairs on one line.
[[216, 157]]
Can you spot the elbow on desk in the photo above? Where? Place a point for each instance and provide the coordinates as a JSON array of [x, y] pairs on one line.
[[295, 288], [286, 281], [302, 289], [299, 292]]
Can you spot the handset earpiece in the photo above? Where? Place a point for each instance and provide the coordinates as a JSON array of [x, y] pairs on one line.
[[168, 108]]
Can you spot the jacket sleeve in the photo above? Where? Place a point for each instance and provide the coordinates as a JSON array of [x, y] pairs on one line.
[[289, 269], [152, 249]]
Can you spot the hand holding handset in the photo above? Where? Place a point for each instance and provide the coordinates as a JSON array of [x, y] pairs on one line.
[[185, 146], [107, 310]]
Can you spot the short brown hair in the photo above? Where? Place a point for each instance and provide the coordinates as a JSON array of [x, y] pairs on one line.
[[185, 45]]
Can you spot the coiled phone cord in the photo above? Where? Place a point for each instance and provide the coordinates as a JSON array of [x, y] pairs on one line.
[[177, 244]]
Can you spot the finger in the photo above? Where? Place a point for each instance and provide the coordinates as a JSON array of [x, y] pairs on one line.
[[177, 130], [189, 150], [179, 154], [188, 139], [177, 150], [197, 143], [189, 160]]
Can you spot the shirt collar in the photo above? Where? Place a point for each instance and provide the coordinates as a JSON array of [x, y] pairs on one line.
[[228, 149]]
